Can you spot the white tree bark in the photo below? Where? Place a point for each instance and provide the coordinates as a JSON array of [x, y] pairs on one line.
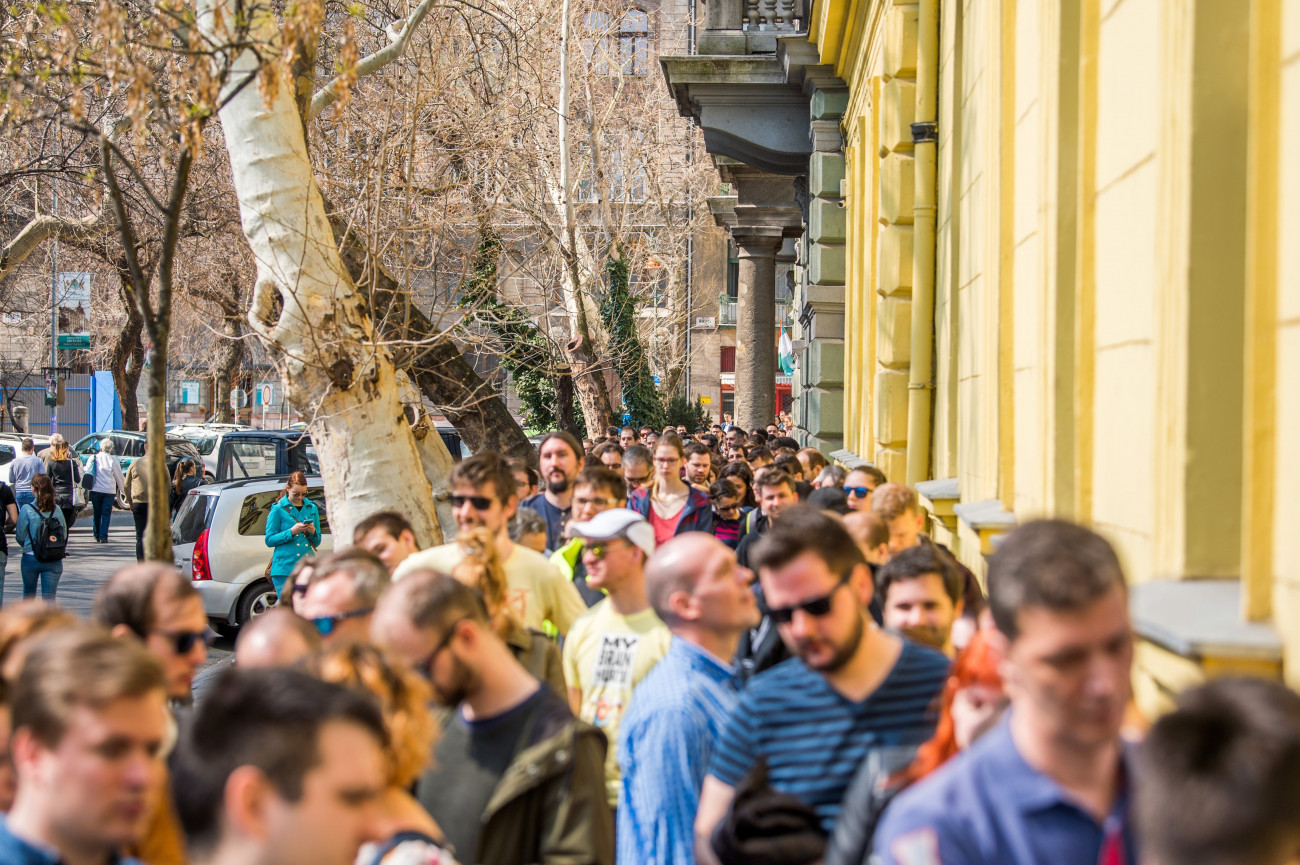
[[305, 307]]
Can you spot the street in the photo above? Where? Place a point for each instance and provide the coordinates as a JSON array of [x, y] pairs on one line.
[[86, 568]]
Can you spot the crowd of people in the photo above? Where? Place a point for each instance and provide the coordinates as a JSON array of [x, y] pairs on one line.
[[652, 647]]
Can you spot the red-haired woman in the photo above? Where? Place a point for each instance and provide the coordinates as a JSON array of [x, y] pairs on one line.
[[972, 700], [292, 530]]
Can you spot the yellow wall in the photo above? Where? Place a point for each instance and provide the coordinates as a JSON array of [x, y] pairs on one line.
[[1117, 298]]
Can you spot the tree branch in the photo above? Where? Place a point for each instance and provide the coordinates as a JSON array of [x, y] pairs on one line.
[[43, 227], [397, 42]]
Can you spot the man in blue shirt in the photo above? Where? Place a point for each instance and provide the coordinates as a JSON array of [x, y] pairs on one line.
[[21, 472], [1051, 782], [851, 689], [678, 711], [560, 458], [89, 722]]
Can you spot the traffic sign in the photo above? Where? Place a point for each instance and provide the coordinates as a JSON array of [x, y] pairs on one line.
[[238, 398], [69, 341], [267, 394]]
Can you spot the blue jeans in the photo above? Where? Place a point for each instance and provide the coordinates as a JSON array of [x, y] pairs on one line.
[[48, 572], [102, 509], [27, 498], [4, 560]]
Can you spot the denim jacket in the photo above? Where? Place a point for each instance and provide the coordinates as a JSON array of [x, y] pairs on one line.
[[16, 851], [29, 522]]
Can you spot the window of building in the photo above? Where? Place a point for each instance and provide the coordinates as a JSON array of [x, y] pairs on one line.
[[728, 358], [729, 403], [733, 278], [634, 42]]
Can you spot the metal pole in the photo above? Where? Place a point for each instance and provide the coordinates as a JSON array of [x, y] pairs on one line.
[[54, 323]]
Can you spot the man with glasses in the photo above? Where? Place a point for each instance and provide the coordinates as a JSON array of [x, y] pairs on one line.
[[619, 640], [515, 777], [860, 483], [638, 468], [595, 491], [483, 496], [345, 586], [850, 689]]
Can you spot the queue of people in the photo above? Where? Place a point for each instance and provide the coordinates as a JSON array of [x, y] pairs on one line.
[[799, 676]]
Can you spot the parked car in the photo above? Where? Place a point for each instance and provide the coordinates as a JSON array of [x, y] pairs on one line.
[[128, 446], [207, 439], [451, 438], [218, 541], [264, 453]]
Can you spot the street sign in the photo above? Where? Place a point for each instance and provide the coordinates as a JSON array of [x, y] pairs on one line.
[[74, 290], [268, 394], [190, 392], [238, 398], [74, 341], [706, 400]]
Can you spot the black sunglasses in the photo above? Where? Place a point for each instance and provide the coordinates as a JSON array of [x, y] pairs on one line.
[[860, 492], [425, 667], [817, 607], [479, 503], [325, 625], [183, 642]]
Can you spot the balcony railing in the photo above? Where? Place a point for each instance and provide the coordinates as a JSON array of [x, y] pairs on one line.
[[727, 313], [750, 26]]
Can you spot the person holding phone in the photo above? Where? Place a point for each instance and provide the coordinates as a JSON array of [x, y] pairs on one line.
[[292, 530]]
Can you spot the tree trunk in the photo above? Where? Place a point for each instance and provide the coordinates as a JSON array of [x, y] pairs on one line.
[[158, 533], [564, 405], [126, 363], [437, 366], [232, 355], [305, 306]]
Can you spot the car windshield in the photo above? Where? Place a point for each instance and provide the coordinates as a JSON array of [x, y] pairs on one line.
[[203, 441], [181, 449], [252, 516], [194, 516], [6, 454]]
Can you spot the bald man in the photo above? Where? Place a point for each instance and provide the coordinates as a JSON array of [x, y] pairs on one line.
[[666, 739], [277, 638]]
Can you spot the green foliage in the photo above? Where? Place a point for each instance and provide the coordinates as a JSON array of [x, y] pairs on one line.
[[526, 352], [681, 411], [617, 310]]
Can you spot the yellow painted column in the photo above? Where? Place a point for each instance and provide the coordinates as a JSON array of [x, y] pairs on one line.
[[1085, 282]]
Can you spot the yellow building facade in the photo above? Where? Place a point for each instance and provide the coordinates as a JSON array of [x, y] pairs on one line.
[[1073, 289]]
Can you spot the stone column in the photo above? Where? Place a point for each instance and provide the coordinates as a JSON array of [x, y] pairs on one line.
[[756, 326]]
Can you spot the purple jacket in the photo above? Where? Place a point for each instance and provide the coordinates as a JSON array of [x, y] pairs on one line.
[[697, 516]]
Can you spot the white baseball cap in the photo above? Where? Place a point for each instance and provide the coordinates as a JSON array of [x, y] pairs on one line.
[[617, 523]]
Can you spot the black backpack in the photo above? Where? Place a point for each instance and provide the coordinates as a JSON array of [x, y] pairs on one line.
[[50, 542]]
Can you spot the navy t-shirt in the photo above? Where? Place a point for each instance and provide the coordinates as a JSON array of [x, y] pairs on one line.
[[815, 739], [555, 519]]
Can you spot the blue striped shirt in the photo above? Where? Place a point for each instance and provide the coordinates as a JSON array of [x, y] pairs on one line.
[[664, 744], [814, 738]]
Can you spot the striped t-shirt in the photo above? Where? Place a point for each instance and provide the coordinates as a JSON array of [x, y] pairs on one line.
[[814, 738]]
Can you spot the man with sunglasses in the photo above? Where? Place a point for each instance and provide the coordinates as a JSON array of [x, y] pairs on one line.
[[619, 640], [345, 586], [850, 689], [595, 491], [483, 496], [516, 778], [860, 483]]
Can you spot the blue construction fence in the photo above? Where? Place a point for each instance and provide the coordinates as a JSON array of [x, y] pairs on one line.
[[90, 405]]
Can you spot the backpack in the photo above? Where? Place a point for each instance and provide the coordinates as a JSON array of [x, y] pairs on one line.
[[50, 541]]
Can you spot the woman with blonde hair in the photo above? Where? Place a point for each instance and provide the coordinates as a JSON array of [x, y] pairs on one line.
[[64, 470], [481, 570], [411, 835]]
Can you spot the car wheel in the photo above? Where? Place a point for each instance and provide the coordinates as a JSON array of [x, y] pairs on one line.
[[256, 600], [209, 478], [121, 502]]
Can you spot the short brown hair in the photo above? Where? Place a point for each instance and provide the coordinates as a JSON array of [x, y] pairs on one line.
[[567, 438], [431, 599], [604, 479], [130, 595], [816, 460], [1220, 777], [81, 666], [1053, 564], [872, 472], [771, 476], [369, 576], [26, 620], [488, 467], [806, 529], [390, 521], [891, 501], [917, 562]]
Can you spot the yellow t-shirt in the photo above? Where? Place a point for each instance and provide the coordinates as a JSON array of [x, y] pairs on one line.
[[535, 589], [605, 656]]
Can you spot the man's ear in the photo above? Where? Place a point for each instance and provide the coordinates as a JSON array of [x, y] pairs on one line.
[[246, 797], [121, 632], [866, 585], [684, 605]]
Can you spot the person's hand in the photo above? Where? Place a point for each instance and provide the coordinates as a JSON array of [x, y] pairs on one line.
[[298, 528], [309, 528]]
